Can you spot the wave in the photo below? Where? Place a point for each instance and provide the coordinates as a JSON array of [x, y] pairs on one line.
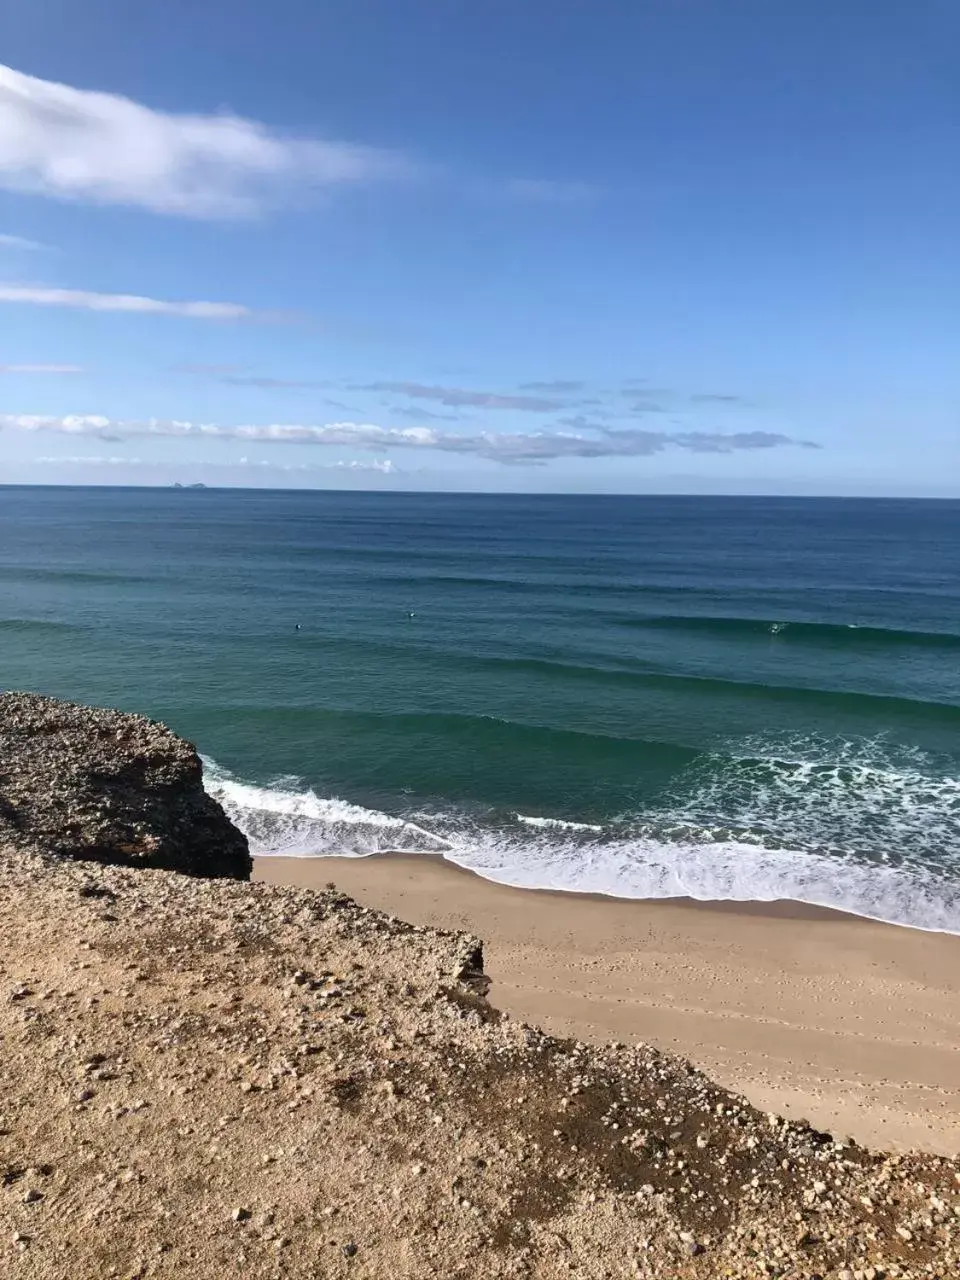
[[835, 826], [838, 698], [655, 678], [834, 633], [30, 625], [23, 573], [481, 733], [557, 824], [282, 820]]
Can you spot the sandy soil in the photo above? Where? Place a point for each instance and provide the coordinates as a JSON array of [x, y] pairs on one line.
[[848, 1023], [210, 1078]]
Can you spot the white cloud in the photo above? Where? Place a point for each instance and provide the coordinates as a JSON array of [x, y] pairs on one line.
[[518, 448], [41, 296], [59, 460], [40, 368], [79, 144], [383, 466], [20, 242]]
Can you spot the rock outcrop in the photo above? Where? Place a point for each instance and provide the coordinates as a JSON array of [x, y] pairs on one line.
[[100, 785]]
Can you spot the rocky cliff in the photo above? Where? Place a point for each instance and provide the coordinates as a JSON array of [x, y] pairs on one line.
[[87, 783]]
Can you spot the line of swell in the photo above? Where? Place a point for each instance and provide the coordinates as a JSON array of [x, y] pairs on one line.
[[788, 629], [22, 573], [650, 678], [496, 735], [485, 733], [37, 624], [854, 700]]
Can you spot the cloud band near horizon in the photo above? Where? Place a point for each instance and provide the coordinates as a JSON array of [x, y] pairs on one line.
[[510, 448]]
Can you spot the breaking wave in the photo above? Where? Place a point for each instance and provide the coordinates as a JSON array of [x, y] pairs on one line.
[[852, 826]]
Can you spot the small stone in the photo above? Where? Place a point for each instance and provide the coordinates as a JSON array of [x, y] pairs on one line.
[[32, 1196], [240, 1215], [349, 1250], [904, 1233]]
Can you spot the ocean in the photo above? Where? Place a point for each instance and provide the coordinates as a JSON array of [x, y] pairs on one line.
[[725, 698]]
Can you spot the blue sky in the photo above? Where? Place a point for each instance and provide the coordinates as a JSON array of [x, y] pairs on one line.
[[529, 245]]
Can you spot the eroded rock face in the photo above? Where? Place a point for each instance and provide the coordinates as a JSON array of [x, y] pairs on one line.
[[89, 783]]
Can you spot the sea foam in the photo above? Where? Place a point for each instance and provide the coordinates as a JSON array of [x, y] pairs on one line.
[[677, 855]]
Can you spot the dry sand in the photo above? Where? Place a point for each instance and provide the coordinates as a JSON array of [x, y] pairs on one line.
[[851, 1024]]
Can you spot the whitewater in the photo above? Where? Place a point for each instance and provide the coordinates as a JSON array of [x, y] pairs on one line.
[[668, 855]]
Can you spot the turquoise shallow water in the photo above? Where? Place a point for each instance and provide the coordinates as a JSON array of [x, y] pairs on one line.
[[743, 698]]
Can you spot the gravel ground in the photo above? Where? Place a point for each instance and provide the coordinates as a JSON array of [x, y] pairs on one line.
[[209, 1078]]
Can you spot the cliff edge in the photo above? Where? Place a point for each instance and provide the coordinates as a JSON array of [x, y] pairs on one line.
[[99, 785]]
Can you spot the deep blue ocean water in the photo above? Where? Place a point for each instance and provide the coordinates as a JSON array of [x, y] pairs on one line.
[[723, 697]]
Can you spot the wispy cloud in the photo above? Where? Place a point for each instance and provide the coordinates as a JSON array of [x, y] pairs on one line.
[[383, 466], [420, 414], [41, 368], [458, 397], [251, 380], [641, 407], [42, 296], [81, 460], [714, 398], [77, 144], [579, 422], [236, 375], [559, 386], [507, 447], [20, 242]]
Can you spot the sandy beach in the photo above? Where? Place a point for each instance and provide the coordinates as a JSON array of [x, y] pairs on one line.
[[851, 1024]]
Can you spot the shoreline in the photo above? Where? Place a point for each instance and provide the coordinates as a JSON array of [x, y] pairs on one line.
[[851, 1023], [777, 908]]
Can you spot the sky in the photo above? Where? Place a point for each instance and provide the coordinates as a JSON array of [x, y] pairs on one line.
[[633, 246]]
